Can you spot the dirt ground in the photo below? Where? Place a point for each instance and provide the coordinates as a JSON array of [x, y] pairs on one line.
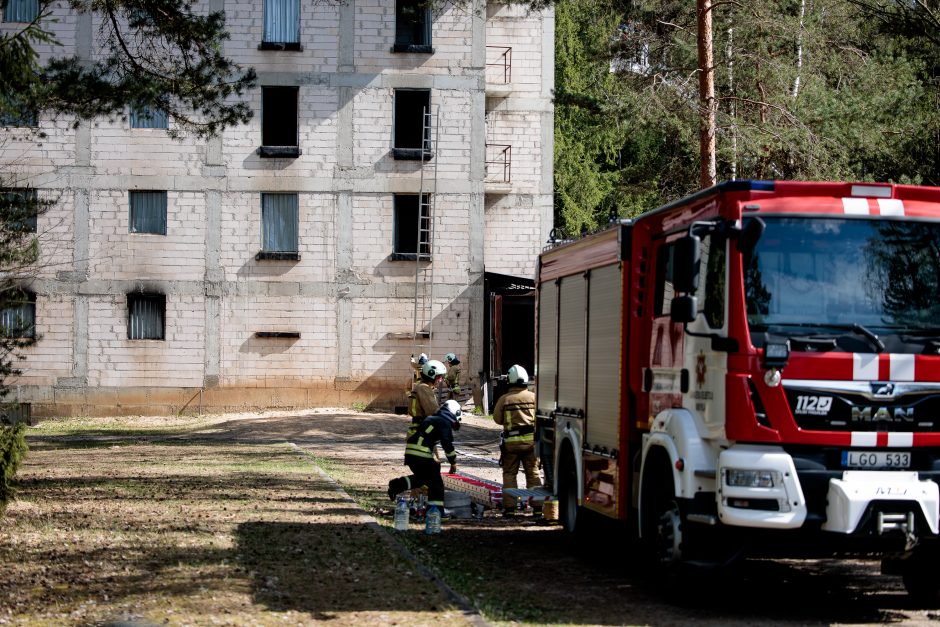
[[245, 533], [517, 570]]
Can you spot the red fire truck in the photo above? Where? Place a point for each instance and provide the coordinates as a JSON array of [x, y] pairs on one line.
[[752, 369]]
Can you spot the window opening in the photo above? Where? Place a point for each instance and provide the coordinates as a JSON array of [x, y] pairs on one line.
[[281, 25], [21, 206], [148, 117], [412, 124], [18, 318], [412, 26], [15, 113], [279, 122], [279, 226], [20, 11], [410, 229], [145, 316], [147, 212]]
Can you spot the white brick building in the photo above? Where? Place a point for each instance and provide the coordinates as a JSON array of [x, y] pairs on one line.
[[319, 310]]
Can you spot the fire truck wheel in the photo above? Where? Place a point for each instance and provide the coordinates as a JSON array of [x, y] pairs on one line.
[[662, 524], [920, 575], [568, 510], [666, 526]]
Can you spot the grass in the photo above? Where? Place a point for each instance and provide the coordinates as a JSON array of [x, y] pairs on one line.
[[183, 529], [470, 556]]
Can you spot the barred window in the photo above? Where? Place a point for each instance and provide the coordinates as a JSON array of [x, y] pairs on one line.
[[280, 225], [18, 318], [20, 10], [147, 212], [282, 21], [145, 316], [149, 117]]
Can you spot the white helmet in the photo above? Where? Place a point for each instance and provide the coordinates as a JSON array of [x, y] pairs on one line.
[[518, 375], [433, 369], [453, 407]]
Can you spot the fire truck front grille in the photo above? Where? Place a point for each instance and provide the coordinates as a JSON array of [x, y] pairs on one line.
[[816, 410]]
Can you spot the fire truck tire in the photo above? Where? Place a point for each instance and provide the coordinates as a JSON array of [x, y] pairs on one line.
[[569, 513], [920, 575], [662, 520]]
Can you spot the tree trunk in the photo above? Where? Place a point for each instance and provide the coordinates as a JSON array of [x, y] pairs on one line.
[[706, 84], [799, 51], [733, 130]]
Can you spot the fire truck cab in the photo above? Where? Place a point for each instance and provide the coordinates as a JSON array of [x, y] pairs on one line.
[[754, 369]]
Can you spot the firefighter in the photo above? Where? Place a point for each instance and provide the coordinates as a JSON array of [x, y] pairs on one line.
[[417, 365], [424, 394], [515, 411], [419, 454], [452, 380]]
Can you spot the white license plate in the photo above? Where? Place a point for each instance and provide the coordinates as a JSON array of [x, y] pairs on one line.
[[875, 459]]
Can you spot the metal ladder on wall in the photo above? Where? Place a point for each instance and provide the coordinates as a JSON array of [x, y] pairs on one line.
[[423, 329]]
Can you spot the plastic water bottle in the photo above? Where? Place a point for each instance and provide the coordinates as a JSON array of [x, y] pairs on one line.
[[401, 514], [432, 523]]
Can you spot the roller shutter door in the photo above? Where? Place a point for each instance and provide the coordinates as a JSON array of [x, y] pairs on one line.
[[571, 343], [604, 325]]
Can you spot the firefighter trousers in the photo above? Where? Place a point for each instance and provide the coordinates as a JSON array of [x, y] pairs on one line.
[[515, 454], [427, 472]]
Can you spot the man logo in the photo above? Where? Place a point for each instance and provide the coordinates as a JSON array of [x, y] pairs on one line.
[[882, 414], [883, 390]]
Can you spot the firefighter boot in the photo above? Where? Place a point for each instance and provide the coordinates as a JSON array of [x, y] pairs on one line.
[[396, 487]]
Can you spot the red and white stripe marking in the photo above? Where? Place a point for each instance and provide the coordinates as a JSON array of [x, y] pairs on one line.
[[890, 367], [873, 206], [882, 439]]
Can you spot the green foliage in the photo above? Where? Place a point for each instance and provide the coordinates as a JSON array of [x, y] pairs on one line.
[[162, 55], [815, 90], [12, 452]]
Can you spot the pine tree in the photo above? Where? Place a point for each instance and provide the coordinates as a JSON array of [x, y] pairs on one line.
[[157, 55], [807, 89]]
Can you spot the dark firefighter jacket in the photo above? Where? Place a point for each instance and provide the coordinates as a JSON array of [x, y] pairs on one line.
[[434, 429]]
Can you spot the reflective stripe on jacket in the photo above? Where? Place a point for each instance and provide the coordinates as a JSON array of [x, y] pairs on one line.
[[515, 411], [432, 430]]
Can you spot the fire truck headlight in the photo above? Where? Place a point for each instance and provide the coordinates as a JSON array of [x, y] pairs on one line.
[[745, 478]]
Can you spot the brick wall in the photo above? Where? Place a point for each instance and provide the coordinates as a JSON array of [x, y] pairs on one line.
[[351, 306]]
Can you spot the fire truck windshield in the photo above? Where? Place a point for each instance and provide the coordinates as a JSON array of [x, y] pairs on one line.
[[811, 275]]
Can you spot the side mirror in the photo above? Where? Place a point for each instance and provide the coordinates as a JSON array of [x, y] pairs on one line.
[[687, 258], [683, 309], [750, 233]]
